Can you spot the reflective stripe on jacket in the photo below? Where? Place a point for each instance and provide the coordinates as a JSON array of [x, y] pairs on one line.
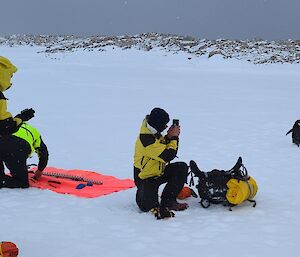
[[152, 152]]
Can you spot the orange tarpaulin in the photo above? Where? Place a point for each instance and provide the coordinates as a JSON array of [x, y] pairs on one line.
[[69, 182]]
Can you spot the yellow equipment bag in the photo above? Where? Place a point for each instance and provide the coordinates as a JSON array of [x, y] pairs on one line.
[[228, 187], [240, 191]]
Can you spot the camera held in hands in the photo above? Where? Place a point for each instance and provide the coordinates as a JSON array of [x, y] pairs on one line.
[[175, 122]]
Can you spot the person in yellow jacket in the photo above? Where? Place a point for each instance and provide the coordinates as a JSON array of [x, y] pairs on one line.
[[152, 167], [15, 150], [9, 124]]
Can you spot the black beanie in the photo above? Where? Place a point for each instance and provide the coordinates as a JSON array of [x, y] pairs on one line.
[[158, 119]]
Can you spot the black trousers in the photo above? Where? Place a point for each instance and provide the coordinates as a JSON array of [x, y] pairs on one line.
[[175, 175], [14, 152]]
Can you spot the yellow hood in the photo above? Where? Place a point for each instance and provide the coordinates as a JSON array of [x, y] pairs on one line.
[[7, 69]]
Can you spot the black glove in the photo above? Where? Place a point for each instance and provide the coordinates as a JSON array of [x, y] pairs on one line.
[[26, 114], [162, 213]]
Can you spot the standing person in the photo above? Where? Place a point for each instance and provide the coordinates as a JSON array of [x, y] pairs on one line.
[[8, 124], [152, 167], [14, 151]]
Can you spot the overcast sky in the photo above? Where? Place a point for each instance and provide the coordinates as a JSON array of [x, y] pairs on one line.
[[211, 19]]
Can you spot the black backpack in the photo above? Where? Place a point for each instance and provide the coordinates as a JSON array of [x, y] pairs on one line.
[[213, 186], [295, 133]]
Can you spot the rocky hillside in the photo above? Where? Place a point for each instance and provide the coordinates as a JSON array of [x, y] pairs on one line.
[[255, 51]]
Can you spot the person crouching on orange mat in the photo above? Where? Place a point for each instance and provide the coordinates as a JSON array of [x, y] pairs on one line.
[[14, 151]]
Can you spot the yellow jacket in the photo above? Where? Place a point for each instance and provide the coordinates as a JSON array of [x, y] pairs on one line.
[[152, 152], [8, 124]]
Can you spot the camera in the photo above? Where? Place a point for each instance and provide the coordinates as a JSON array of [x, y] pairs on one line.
[[176, 122]]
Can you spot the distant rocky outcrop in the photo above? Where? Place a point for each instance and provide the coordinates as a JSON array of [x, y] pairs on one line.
[[256, 51]]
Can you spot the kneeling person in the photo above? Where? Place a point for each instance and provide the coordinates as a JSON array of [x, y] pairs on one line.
[[152, 166], [14, 152]]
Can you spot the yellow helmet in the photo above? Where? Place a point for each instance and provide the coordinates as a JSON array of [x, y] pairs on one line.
[[7, 69]]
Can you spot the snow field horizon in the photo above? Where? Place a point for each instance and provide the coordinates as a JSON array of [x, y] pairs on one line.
[[89, 108]]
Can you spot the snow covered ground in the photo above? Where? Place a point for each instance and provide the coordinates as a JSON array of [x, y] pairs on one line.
[[89, 106]]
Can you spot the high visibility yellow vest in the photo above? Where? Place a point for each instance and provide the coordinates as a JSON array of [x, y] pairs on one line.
[[30, 134]]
